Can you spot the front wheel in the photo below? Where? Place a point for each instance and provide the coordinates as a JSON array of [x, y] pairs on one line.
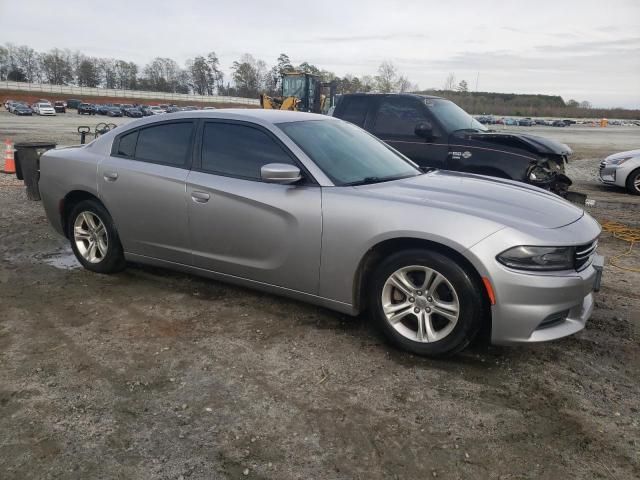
[[633, 182], [426, 303], [94, 238]]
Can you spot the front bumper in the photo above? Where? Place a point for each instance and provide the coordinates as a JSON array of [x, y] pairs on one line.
[[539, 306]]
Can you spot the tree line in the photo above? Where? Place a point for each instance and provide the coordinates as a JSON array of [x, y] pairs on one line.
[[201, 75], [527, 105], [249, 76]]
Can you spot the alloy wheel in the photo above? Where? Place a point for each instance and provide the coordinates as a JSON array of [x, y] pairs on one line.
[[420, 304], [90, 236]]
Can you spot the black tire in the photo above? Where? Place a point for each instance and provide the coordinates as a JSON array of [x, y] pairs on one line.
[[469, 292], [631, 179], [113, 261]]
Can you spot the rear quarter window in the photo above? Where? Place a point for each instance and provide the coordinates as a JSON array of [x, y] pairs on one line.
[[354, 109], [127, 145], [166, 143]]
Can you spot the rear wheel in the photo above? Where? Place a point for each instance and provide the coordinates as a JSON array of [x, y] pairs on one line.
[[633, 182], [94, 238], [426, 303]]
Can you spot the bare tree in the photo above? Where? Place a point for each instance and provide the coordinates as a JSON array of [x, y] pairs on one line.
[[585, 104], [450, 83], [164, 75], [282, 66], [249, 75], [4, 62], [403, 84], [217, 76], [27, 60], [200, 77], [56, 67], [387, 78]]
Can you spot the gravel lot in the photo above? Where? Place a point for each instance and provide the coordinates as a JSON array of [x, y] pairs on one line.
[[152, 374]]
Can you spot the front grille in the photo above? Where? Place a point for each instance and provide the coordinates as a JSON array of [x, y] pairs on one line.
[[602, 165], [584, 254]]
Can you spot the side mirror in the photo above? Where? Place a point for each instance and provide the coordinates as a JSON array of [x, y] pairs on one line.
[[424, 130], [280, 173]]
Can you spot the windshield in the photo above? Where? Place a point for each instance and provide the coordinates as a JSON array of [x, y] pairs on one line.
[[347, 154], [452, 116], [293, 86]]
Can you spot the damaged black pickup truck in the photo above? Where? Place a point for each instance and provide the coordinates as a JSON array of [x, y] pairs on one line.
[[435, 132]]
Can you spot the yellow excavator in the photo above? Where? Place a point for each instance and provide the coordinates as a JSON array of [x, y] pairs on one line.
[[303, 92]]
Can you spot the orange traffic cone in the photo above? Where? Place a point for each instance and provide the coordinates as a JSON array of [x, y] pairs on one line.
[[9, 160]]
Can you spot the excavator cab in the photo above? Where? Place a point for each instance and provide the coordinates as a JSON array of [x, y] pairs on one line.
[[303, 92]]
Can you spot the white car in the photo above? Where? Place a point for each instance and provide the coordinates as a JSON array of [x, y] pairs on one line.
[[622, 169], [44, 109], [156, 110]]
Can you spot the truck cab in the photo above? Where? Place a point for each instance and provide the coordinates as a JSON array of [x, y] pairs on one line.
[[434, 132]]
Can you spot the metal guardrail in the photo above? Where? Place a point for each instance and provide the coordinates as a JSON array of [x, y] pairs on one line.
[[109, 92]]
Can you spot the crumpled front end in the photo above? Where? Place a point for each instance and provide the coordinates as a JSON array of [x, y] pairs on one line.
[[549, 175]]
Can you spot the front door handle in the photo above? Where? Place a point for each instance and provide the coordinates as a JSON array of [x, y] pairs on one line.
[[110, 176], [200, 197]]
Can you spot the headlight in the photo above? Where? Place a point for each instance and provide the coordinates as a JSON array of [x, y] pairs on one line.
[[538, 258], [617, 161], [539, 174]]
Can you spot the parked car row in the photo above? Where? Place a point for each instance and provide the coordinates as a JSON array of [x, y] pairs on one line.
[[18, 108], [522, 122], [45, 107], [41, 107], [130, 110], [529, 122]]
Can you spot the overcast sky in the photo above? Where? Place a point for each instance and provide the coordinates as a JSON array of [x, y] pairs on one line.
[[583, 49]]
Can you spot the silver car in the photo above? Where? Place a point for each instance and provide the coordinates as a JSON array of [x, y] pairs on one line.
[[317, 209], [622, 169]]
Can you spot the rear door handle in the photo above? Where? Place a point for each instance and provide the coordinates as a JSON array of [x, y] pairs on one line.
[[200, 197], [110, 176]]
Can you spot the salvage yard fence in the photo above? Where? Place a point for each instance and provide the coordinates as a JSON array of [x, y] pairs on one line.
[[117, 93]]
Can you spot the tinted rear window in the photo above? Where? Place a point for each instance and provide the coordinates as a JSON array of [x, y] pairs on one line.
[[355, 109], [127, 145], [399, 116], [167, 143]]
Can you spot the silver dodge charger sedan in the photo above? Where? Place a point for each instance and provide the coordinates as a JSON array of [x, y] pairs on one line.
[[317, 209]]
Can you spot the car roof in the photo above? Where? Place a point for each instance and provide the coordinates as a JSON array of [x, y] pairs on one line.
[[256, 115], [413, 95]]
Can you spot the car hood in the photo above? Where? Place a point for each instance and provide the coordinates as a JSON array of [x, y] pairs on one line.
[[506, 202], [531, 143], [629, 153]]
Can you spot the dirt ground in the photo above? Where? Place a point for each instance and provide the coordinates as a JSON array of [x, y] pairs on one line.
[[150, 374]]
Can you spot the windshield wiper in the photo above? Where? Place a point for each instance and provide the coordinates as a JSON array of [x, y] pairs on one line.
[[365, 181], [370, 180], [468, 130]]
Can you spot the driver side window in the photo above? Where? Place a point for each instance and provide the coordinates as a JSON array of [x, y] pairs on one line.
[[399, 116]]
